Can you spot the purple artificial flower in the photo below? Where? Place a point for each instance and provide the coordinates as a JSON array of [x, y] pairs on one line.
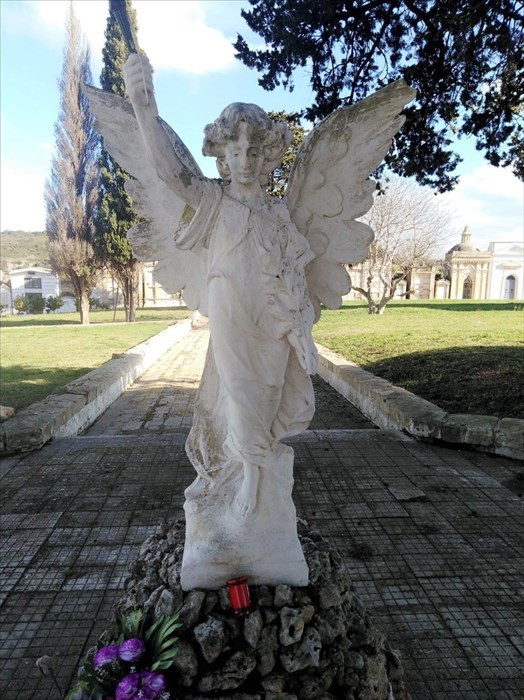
[[153, 684], [131, 649], [106, 655], [128, 687]]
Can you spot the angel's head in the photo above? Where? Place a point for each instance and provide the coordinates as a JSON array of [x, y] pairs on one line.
[[247, 144]]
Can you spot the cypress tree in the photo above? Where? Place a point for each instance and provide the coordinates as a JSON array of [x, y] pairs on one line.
[[115, 213], [71, 191]]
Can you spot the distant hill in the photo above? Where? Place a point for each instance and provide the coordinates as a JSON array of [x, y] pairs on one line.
[[23, 249]]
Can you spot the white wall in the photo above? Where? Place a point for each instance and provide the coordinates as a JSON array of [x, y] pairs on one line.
[[508, 260]]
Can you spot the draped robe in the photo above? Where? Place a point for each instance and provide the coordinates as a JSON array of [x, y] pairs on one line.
[[255, 388]]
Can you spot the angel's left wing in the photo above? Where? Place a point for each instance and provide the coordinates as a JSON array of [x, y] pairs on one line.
[[329, 187], [163, 214]]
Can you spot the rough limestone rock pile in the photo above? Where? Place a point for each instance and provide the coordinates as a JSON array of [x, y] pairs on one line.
[[315, 642]]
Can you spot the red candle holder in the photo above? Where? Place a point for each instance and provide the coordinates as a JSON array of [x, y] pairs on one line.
[[239, 596]]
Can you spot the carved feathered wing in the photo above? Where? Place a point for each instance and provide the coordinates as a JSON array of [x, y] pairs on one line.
[[162, 212], [329, 187]]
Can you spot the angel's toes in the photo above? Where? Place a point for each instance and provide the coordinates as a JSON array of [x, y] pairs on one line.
[[245, 506]]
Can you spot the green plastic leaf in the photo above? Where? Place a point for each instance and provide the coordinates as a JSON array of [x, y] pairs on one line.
[[151, 631], [168, 643]]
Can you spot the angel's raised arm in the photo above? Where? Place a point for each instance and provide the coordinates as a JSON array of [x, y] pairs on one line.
[[170, 168]]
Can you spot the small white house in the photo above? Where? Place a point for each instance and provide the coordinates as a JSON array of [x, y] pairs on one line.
[[34, 281]]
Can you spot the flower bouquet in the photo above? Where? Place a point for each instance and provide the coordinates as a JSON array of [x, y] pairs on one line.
[[130, 667]]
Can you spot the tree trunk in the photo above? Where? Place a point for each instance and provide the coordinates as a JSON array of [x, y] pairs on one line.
[[83, 306], [128, 292], [366, 293], [131, 299]]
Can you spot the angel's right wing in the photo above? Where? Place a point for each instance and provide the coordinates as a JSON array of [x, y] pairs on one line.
[[329, 187], [162, 213]]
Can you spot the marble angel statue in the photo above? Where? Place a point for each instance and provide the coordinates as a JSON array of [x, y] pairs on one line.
[[259, 268]]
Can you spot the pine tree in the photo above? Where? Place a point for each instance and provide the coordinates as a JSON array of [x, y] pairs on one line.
[[115, 214], [72, 190], [465, 58]]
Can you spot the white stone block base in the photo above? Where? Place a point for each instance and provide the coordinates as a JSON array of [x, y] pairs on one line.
[[221, 544]]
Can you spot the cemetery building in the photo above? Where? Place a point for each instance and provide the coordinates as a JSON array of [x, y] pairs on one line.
[[496, 274], [469, 273]]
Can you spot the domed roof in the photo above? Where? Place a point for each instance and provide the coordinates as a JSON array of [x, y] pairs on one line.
[[465, 245]]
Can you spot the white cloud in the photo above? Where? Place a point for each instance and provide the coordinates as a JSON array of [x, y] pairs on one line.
[[45, 20], [175, 36], [21, 199], [490, 201]]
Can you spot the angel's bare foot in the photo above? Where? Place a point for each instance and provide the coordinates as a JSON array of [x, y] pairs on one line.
[[246, 498], [196, 489]]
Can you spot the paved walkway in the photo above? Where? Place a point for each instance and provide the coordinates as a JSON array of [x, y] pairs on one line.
[[432, 537]]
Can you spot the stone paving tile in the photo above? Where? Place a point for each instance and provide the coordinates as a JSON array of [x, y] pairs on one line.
[[432, 537]]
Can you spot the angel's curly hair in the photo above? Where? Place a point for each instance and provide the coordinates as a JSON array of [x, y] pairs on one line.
[[274, 137]]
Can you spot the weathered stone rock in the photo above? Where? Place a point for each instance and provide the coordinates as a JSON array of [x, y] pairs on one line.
[[223, 599], [330, 625], [283, 596], [303, 655], [317, 645], [186, 659], [266, 650], [274, 683], [210, 602], [165, 605], [292, 623], [330, 596], [319, 566], [301, 597], [375, 684], [231, 674], [270, 614], [354, 660], [253, 625], [316, 687], [189, 612], [212, 637], [153, 598], [264, 597]]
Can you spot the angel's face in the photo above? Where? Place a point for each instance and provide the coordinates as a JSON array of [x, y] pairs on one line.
[[244, 157]]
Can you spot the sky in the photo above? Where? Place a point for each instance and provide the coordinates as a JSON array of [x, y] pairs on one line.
[[189, 43]]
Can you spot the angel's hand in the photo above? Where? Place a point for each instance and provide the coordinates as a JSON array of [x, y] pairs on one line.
[[138, 77]]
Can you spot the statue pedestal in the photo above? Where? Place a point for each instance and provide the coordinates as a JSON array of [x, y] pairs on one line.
[[220, 544]]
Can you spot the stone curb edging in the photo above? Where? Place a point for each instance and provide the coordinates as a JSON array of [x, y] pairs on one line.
[[391, 407], [80, 402], [388, 406]]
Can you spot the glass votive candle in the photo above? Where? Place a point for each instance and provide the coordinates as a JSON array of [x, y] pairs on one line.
[[239, 596]]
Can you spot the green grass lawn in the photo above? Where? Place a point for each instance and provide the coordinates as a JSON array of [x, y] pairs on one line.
[[57, 319], [37, 356], [464, 356]]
